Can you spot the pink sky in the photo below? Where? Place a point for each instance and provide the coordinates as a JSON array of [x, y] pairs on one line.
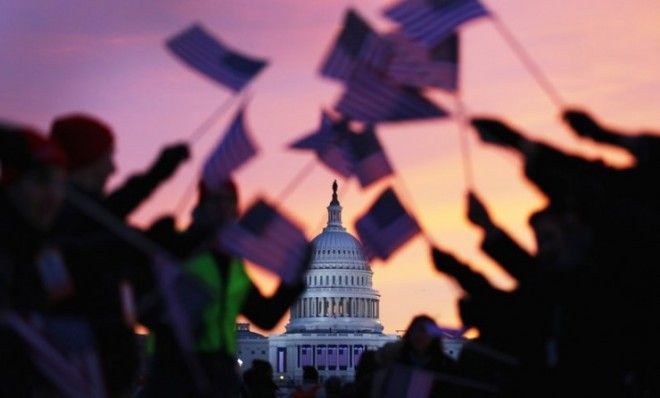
[[107, 58]]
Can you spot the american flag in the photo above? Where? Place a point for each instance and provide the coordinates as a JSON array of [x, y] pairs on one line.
[[413, 65], [330, 143], [430, 22], [369, 160], [386, 226], [203, 52], [356, 44], [371, 99], [233, 150], [268, 239]]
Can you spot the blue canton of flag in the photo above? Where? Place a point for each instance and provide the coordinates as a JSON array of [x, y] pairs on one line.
[[386, 226], [356, 44], [430, 22], [235, 148], [268, 239], [200, 50], [371, 99], [413, 65], [370, 163], [330, 143]]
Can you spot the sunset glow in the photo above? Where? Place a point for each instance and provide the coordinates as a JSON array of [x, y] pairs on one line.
[[107, 58]]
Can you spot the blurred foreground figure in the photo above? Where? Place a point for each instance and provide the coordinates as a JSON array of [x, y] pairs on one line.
[[416, 364], [31, 193], [600, 279], [232, 293], [103, 266]]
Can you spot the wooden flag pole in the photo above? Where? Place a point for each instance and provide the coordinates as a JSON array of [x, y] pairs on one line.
[[463, 136], [195, 136], [206, 125], [414, 208], [303, 173], [528, 62]]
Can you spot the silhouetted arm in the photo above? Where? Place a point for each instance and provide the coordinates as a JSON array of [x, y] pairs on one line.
[[472, 282], [265, 312], [125, 199], [515, 260]]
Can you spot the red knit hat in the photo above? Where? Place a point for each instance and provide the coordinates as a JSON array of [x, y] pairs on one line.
[[23, 149], [83, 138]]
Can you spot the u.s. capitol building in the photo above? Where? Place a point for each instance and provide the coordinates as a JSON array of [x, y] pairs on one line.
[[335, 320]]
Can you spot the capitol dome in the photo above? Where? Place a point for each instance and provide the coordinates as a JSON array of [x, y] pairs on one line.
[[339, 295]]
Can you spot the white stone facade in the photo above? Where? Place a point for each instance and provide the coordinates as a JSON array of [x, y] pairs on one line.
[[337, 317]]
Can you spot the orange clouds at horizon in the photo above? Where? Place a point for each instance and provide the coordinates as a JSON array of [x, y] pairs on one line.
[[108, 59]]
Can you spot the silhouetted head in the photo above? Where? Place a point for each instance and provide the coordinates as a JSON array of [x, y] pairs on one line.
[[422, 334], [218, 206], [33, 174], [367, 366], [310, 374], [89, 146]]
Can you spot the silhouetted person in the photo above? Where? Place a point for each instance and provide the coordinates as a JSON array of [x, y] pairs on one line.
[[311, 387], [31, 193], [99, 261], [620, 207], [232, 293], [258, 381]]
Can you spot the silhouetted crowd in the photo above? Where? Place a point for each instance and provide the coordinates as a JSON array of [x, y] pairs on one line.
[[76, 278]]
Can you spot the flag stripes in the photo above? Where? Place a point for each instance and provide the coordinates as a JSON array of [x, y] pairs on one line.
[[356, 45], [413, 65], [200, 50], [385, 227], [429, 22], [233, 150], [372, 100], [268, 239]]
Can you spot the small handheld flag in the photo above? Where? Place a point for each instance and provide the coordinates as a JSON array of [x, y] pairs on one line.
[[386, 226], [268, 239], [197, 48], [235, 148], [430, 22], [356, 45], [330, 143], [414, 65], [370, 163], [371, 99]]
